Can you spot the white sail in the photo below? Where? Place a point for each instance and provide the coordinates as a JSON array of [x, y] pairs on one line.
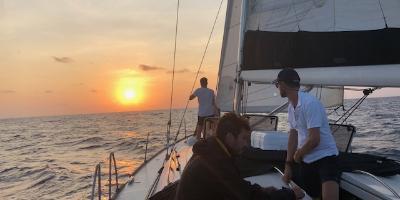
[[229, 56], [370, 76], [329, 42], [322, 15], [264, 98], [261, 98]]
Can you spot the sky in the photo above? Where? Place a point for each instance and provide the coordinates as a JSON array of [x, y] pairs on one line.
[[71, 56], [95, 56]]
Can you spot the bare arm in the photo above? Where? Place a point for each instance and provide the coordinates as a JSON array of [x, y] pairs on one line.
[[292, 145], [192, 97], [312, 142]]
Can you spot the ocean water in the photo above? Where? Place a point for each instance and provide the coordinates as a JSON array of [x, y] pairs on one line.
[[55, 157]]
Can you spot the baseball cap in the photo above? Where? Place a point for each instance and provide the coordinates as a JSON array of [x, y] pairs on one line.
[[288, 75]]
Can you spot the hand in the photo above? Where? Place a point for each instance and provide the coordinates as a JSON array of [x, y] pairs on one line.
[[287, 176], [298, 157], [298, 192]]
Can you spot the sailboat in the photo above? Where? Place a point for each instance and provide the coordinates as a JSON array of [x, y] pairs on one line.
[[332, 44]]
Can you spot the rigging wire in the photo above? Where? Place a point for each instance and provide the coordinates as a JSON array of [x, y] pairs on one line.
[[350, 111], [334, 15], [173, 75], [199, 68], [334, 110], [383, 14], [295, 13]]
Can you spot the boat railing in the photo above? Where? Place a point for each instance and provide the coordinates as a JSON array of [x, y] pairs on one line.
[[184, 125], [378, 180], [112, 158], [290, 184], [97, 178], [343, 135], [97, 175], [145, 152]]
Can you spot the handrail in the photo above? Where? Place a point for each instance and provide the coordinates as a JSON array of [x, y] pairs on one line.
[[184, 123], [379, 180], [97, 173], [145, 152], [290, 184], [109, 175]]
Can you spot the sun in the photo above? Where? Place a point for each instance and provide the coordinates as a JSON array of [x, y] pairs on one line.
[[129, 91], [129, 94]]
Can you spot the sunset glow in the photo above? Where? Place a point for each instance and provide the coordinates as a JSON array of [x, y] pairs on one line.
[[129, 91], [71, 57]]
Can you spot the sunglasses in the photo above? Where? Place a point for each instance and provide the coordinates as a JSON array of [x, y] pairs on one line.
[[276, 83]]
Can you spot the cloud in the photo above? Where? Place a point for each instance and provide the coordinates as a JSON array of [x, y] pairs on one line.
[[181, 71], [93, 91], [63, 59], [48, 91], [149, 67], [7, 91]]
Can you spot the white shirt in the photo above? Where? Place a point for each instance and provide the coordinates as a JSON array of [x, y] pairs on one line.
[[310, 113], [205, 97]]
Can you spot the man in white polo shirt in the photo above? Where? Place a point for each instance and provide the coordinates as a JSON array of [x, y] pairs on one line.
[[310, 139], [207, 106]]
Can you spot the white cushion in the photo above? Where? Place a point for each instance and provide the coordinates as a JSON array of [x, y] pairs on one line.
[[269, 140]]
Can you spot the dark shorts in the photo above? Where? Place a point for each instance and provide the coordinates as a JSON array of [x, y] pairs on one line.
[[200, 120], [315, 173]]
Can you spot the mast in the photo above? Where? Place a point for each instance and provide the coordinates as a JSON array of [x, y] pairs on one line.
[[239, 82]]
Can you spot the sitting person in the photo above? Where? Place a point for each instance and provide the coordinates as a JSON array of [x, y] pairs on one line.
[[211, 173]]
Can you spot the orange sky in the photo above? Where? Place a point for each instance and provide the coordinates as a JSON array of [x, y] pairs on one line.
[[69, 56]]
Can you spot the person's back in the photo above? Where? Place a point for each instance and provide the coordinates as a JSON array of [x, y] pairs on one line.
[[205, 97], [207, 106], [207, 175]]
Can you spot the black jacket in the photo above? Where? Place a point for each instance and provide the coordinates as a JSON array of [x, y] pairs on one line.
[[212, 175]]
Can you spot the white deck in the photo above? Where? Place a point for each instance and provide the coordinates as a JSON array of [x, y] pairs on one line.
[[271, 179], [360, 185], [140, 185], [366, 187]]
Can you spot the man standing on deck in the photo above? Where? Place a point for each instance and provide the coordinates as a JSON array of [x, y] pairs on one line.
[[310, 139], [211, 173], [207, 106]]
